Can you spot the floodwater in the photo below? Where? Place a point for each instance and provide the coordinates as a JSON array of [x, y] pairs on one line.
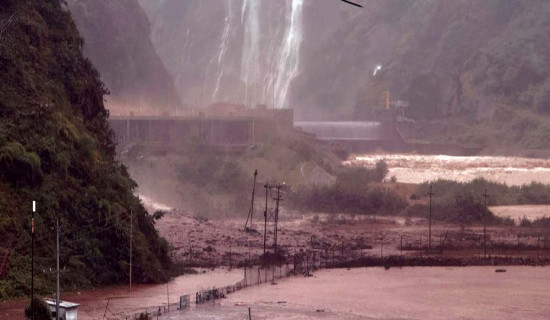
[[531, 212], [116, 302], [413, 168], [94, 303], [399, 293]]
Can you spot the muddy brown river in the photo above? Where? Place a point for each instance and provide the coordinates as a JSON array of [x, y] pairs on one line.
[[407, 293], [412, 168]]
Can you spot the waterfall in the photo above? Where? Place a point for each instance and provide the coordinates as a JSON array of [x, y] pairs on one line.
[[250, 63], [223, 48], [287, 64], [268, 70]]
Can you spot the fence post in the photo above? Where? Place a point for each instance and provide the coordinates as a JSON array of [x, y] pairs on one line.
[[518, 245]]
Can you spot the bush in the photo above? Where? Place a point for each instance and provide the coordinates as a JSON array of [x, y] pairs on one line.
[[41, 310]]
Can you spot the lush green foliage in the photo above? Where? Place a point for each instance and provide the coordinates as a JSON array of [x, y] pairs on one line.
[[56, 148], [40, 310], [499, 194], [353, 192], [464, 202]]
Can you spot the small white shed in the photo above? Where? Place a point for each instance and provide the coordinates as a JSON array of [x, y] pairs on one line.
[[67, 310]]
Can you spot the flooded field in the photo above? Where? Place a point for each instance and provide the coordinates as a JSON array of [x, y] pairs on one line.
[[407, 293], [411, 168], [116, 302], [531, 212]]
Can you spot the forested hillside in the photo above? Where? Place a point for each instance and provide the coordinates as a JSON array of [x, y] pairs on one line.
[[56, 148]]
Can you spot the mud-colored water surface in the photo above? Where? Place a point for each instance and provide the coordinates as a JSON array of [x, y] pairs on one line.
[[116, 302], [413, 168], [407, 293], [530, 212]]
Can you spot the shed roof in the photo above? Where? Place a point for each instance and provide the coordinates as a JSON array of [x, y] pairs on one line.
[[62, 304]]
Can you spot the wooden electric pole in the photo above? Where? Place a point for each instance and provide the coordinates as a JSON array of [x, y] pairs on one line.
[[278, 199], [32, 259], [430, 194], [131, 241], [265, 214], [251, 210], [57, 282], [485, 195]]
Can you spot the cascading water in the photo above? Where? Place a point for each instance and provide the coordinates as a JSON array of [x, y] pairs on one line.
[[223, 48], [250, 63], [267, 69], [287, 66], [236, 51]]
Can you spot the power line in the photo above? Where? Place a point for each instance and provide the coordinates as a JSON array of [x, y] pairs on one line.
[[352, 3]]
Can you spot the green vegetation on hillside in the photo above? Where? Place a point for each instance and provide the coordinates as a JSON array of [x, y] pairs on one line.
[[356, 190], [210, 181], [464, 202], [56, 148]]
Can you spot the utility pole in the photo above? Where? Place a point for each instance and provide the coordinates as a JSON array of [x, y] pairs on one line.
[[57, 294], [430, 194], [277, 201], [251, 210], [32, 259], [485, 195], [265, 214], [131, 240]]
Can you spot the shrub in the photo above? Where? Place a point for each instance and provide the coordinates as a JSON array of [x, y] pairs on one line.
[[41, 310]]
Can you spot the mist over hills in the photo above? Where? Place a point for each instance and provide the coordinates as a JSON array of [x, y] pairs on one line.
[[447, 58], [463, 62], [116, 40]]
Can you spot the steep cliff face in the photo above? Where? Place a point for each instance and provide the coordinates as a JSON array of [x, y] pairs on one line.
[[455, 57], [116, 40], [446, 57], [240, 51], [56, 148]]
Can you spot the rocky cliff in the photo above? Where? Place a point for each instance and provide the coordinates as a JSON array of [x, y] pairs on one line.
[[116, 40]]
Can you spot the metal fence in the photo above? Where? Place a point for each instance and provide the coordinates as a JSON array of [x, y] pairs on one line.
[[252, 276]]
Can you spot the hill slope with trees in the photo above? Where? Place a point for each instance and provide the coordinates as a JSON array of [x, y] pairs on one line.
[[56, 148]]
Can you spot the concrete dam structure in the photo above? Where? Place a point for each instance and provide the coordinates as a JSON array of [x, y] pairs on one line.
[[243, 129], [216, 129]]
